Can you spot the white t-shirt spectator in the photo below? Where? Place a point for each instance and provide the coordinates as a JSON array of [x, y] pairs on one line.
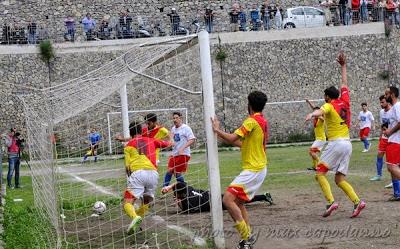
[[181, 136], [384, 118], [394, 119], [366, 119]]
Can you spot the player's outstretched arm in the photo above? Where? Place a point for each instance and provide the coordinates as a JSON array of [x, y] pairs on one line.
[[342, 61], [312, 106]]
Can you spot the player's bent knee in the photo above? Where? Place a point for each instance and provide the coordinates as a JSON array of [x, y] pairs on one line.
[[128, 197], [322, 169]]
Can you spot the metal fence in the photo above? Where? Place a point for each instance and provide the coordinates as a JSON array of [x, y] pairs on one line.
[[138, 27]]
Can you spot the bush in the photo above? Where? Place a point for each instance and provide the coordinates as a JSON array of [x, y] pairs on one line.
[[46, 51]]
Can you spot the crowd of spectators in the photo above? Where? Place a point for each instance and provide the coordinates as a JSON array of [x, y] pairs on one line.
[[258, 17]]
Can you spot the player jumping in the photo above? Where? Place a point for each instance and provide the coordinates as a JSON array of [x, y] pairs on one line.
[[336, 155], [254, 135]]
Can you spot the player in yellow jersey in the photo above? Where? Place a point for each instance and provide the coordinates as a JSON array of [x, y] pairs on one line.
[[155, 130], [141, 169], [336, 155], [252, 137], [320, 138]]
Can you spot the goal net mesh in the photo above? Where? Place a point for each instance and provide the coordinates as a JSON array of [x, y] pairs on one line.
[[58, 120]]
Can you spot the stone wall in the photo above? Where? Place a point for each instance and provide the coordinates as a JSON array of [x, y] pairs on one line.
[[286, 69], [51, 13]]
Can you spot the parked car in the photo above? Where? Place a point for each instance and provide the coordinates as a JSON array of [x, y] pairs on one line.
[[303, 17]]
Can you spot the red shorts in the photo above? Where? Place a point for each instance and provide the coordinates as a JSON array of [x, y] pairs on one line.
[[364, 133], [383, 142], [393, 154], [178, 164]]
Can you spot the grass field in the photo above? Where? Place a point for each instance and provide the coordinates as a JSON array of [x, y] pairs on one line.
[[299, 204]]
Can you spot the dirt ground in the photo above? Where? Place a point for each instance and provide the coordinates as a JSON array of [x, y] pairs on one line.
[[296, 222]]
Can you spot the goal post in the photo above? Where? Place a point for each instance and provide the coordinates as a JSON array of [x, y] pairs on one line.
[[212, 146]]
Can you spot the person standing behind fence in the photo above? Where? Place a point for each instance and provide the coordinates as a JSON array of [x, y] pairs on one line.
[[175, 21], [242, 19], [278, 18], [14, 160], [89, 25], [342, 11], [70, 24], [265, 15], [363, 11], [391, 11], [234, 18], [209, 19], [32, 32], [255, 18]]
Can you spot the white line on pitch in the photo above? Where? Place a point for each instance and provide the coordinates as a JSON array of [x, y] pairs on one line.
[[95, 186]]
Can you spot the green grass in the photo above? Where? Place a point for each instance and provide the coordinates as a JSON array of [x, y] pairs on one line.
[[23, 226], [22, 216]]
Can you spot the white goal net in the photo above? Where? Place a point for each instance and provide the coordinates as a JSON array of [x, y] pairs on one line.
[[68, 178]]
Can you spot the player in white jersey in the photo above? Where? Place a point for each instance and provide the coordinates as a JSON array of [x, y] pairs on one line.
[[393, 147], [183, 137], [366, 121], [384, 120]]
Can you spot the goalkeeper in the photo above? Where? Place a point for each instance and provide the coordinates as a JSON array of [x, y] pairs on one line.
[[191, 200], [94, 140]]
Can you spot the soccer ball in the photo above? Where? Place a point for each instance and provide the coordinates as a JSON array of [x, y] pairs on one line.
[[99, 207]]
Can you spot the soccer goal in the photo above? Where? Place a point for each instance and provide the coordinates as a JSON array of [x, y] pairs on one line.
[[78, 185], [163, 116]]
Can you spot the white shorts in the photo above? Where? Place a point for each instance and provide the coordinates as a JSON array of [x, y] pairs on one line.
[[247, 183], [318, 144], [336, 155], [143, 182]]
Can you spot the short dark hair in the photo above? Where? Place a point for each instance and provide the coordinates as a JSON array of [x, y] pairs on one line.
[[152, 117], [257, 100], [364, 104], [382, 97], [332, 92], [316, 108], [177, 113], [135, 128], [394, 90], [180, 190]]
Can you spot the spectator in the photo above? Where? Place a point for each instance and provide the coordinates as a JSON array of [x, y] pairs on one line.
[[363, 11], [265, 10], [175, 21], [209, 19], [355, 8], [326, 4], [342, 11], [234, 18], [349, 14], [125, 22], [390, 9], [381, 8], [242, 19], [70, 24], [11, 141], [396, 12], [278, 18], [32, 32], [104, 30], [89, 25], [255, 18]]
